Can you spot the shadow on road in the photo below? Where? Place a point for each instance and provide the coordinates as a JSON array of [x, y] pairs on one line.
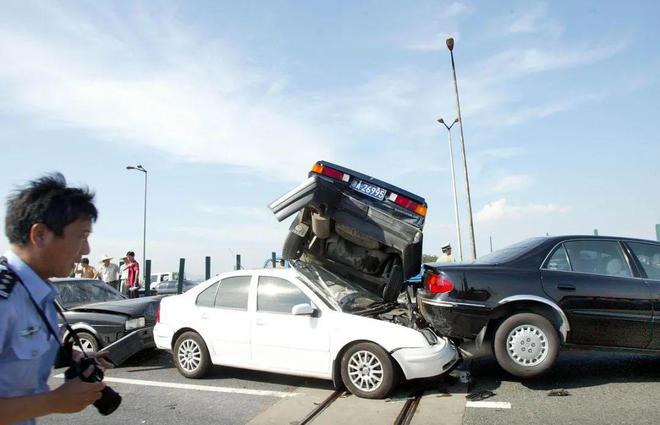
[[574, 369]]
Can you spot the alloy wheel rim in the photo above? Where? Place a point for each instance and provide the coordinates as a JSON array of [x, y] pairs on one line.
[[87, 345], [365, 371], [189, 355], [527, 345]]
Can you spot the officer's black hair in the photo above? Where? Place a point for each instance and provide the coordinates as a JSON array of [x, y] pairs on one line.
[[46, 200]]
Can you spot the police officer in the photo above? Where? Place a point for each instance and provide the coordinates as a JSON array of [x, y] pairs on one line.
[[47, 224], [446, 256]]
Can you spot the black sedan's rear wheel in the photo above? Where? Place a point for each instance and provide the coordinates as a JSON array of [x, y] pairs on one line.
[[367, 371], [191, 356], [526, 345]]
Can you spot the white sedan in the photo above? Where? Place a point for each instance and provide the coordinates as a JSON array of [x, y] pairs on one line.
[[301, 321]]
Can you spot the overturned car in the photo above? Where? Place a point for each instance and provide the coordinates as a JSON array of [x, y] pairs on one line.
[[355, 225]]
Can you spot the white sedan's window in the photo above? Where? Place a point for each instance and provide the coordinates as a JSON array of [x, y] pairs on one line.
[[207, 297], [276, 295], [233, 293]]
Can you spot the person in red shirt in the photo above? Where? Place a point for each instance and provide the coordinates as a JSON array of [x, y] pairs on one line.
[[131, 269]]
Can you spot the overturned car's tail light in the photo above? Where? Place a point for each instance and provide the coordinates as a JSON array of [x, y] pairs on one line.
[[330, 172], [437, 284], [408, 204]]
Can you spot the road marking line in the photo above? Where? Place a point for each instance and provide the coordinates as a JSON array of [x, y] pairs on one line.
[[265, 393], [489, 404]]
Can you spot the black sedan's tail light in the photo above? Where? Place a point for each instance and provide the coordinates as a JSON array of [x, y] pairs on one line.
[[437, 284], [330, 172], [158, 314]]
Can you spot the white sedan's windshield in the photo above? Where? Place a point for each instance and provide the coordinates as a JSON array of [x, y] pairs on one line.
[[338, 291]]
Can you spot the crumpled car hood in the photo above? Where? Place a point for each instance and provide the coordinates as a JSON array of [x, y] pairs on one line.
[[130, 307]]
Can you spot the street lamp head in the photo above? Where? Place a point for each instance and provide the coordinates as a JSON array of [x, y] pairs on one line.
[[450, 44], [441, 121], [455, 121], [138, 168]]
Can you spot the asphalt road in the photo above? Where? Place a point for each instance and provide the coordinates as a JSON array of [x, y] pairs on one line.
[[602, 387], [147, 404]]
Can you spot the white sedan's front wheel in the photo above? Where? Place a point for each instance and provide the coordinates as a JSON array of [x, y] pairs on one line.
[[367, 371], [191, 355]]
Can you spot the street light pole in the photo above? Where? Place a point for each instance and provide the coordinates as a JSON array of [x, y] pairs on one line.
[[144, 220], [450, 46], [453, 185]]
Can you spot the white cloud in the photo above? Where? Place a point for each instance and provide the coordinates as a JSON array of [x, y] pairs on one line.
[[532, 20], [456, 9], [513, 183], [501, 210], [435, 43], [150, 81]]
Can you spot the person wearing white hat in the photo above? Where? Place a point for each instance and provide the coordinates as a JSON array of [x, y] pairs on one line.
[[446, 256], [109, 272]]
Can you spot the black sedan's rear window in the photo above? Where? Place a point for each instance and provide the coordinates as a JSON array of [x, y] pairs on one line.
[[511, 252]]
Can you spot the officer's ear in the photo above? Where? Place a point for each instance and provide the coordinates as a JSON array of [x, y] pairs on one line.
[[40, 235]]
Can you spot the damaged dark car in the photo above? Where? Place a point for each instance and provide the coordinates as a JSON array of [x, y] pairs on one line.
[[356, 226], [101, 316]]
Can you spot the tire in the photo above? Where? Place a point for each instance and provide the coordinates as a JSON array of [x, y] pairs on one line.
[[293, 247], [526, 345], [88, 341], [393, 287], [191, 356], [367, 371]]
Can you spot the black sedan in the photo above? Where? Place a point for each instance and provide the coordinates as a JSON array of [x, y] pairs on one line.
[[527, 300], [100, 315]]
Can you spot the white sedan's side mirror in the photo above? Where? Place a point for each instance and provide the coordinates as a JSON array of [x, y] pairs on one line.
[[303, 310]]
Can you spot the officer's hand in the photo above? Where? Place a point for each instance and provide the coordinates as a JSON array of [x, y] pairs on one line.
[[74, 395], [102, 358]]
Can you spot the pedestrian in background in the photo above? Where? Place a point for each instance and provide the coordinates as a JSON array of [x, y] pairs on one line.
[[47, 225], [446, 256], [109, 272], [86, 271], [132, 284]]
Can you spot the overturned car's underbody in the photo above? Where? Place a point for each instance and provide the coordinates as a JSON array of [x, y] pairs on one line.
[[354, 225]]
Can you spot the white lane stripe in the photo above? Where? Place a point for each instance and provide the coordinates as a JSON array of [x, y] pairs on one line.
[[489, 404], [265, 393]]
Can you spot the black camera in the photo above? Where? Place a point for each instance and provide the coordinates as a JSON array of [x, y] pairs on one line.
[[110, 399]]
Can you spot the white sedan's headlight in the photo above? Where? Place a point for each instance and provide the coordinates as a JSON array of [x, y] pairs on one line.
[[135, 323]]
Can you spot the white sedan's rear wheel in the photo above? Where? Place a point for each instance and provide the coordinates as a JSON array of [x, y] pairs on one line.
[[191, 355]]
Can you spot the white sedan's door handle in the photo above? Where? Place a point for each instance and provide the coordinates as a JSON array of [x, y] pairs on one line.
[[205, 316], [259, 322]]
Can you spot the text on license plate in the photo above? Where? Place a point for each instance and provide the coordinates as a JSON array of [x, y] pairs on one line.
[[368, 189]]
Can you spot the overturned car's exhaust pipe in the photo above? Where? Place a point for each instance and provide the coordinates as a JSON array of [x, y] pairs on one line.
[[320, 226]]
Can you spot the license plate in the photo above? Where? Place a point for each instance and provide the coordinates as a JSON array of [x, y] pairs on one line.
[[369, 189]]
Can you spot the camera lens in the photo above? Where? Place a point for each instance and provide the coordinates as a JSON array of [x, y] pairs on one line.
[[109, 401]]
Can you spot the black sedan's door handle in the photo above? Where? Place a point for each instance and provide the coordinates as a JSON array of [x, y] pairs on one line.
[[566, 287]]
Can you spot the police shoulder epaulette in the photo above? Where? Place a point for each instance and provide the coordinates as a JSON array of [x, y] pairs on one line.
[[8, 281]]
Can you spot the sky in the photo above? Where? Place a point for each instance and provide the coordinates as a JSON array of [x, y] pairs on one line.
[[229, 104]]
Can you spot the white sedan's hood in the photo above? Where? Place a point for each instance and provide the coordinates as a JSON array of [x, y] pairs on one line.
[[389, 335]]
